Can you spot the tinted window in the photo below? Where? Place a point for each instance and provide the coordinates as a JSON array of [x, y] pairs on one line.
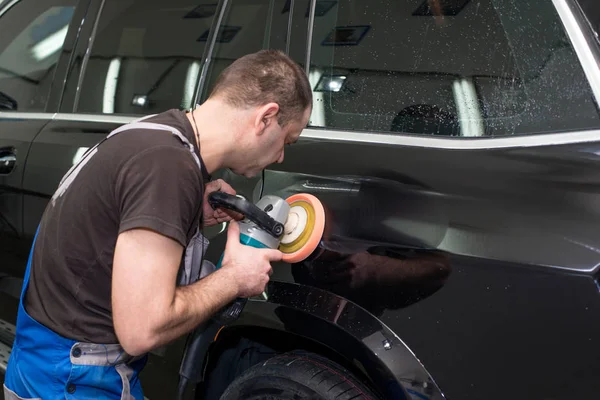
[[32, 34], [252, 25], [462, 68], [146, 56]]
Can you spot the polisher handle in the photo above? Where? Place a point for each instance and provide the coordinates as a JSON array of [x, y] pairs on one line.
[[248, 209]]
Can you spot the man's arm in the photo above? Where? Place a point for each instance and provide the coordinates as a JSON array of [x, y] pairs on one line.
[[149, 310]]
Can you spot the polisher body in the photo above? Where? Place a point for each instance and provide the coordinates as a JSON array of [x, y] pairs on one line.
[[250, 232], [302, 217]]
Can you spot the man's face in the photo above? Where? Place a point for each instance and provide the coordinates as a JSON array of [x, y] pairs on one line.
[[269, 147]]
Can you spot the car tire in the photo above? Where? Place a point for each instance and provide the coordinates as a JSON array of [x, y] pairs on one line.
[[297, 375]]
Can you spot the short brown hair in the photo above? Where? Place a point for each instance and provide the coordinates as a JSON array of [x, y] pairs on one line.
[[263, 77]]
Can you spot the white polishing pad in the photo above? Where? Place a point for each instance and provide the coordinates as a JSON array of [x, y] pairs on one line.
[[295, 224]]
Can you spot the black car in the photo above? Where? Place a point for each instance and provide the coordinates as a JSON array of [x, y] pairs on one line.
[[454, 143]]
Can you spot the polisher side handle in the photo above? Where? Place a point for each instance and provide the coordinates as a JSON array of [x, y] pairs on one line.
[[248, 209]]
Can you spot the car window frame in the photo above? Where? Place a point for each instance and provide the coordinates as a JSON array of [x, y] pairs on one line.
[[583, 39], [223, 9], [593, 20], [570, 17], [73, 80], [580, 35], [54, 94]]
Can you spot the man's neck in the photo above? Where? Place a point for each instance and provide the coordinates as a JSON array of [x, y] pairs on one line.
[[211, 135]]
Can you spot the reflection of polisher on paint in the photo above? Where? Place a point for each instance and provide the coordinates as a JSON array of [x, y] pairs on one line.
[[376, 279], [293, 225], [381, 239], [365, 212]]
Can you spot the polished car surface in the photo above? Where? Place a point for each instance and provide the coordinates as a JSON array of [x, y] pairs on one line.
[[454, 144]]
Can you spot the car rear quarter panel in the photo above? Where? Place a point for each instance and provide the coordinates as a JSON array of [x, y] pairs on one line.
[[513, 310]]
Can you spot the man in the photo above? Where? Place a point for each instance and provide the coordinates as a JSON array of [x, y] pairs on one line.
[[101, 288]]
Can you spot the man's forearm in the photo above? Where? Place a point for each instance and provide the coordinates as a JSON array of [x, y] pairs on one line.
[[150, 311], [192, 305]]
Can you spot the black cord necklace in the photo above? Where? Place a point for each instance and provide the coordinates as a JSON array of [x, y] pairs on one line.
[[201, 222], [197, 131]]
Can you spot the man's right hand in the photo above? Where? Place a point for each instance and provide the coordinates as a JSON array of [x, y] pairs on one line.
[[250, 267], [149, 310]]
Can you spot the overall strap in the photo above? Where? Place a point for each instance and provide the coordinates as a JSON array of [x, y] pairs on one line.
[[138, 124], [151, 125]]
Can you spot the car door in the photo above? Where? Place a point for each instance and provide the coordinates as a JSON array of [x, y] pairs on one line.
[[36, 39], [470, 129]]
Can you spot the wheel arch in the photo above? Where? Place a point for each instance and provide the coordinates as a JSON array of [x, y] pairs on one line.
[[298, 316]]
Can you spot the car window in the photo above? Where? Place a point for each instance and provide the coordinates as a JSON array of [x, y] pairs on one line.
[[458, 68], [251, 25], [32, 34], [146, 56]]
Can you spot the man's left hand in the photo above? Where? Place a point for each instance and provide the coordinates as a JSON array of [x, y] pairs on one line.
[[218, 216]]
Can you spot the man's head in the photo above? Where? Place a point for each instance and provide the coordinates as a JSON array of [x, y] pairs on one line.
[[272, 99]]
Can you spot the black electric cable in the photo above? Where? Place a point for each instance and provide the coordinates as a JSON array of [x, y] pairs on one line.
[[187, 369], [262, 185]]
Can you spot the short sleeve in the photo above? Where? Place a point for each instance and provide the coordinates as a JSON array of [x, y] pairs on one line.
[[160, 189]]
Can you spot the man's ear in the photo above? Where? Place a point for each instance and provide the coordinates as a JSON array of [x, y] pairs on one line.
[[266, 117]]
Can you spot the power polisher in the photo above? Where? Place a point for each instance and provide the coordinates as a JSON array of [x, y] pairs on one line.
[[294, 225]]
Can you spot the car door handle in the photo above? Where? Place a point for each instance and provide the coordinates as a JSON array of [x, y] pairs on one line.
[[8, 160]]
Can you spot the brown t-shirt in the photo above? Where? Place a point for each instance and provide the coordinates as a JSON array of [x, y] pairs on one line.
[[137, 179]]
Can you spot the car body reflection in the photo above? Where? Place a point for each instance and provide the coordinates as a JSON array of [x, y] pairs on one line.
[[377, 279]]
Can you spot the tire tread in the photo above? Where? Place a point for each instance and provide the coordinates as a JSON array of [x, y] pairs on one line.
[[310, 371]]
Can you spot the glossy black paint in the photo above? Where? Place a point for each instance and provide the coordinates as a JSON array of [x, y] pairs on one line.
[[485, 312], [51, 155], [346, 328], [482, 328], [529, 205], [481, 266], [16, 135], [471, 322], [493, 330]]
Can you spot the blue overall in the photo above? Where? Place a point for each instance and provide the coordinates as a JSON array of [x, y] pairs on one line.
[[45, 365]]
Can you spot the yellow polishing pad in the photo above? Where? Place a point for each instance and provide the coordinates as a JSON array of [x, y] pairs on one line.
[[304, 227]]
